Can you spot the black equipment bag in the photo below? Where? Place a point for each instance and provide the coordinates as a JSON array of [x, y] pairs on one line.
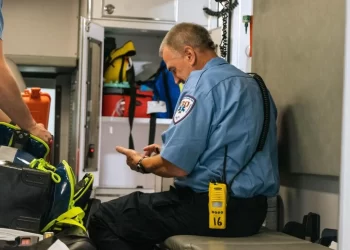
[[25, 195]]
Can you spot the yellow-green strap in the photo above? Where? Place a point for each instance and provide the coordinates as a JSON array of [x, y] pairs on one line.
[[44, 166], [73, 216]]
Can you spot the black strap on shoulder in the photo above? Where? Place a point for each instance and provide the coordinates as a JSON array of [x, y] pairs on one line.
[[264, 131], [266, 106]]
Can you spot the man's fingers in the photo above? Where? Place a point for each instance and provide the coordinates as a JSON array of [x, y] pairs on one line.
[[147, 153], [122, 150], [149, 147]]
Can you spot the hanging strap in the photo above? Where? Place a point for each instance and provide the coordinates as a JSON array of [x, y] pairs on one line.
[[153, 120], [264, 131], [132, 105], [152, 128]]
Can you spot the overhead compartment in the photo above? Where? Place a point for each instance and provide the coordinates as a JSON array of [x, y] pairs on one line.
[[151, 14], [41, 32], [151, 10]]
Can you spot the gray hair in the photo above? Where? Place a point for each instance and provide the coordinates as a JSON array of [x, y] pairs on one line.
[[187, 34]]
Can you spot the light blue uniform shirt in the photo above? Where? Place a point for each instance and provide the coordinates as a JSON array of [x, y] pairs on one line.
[[220, 105], [1, 20]]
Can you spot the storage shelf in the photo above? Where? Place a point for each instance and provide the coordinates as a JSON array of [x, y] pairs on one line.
[[136, 120]]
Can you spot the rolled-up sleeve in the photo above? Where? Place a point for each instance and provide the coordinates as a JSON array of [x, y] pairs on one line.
[[186, 140]]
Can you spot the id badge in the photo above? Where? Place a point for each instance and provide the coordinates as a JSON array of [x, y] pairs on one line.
[[156, 107]]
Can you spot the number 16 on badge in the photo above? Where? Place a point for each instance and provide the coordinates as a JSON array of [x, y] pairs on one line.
[[217, 205]]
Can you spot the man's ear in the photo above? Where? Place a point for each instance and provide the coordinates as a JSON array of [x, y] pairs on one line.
[[190, 55]]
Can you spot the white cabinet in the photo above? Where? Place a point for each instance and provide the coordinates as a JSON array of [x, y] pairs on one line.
[[156, 10], [192, 12], [41, 32], [152, 14], [114, 172]]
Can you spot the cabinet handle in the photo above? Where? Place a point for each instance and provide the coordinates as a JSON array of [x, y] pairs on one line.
[[109, 8]]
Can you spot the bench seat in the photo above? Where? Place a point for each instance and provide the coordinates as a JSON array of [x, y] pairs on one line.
[[264, 240]]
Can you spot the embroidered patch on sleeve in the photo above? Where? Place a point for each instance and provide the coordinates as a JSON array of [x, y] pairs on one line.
[[186, 105]]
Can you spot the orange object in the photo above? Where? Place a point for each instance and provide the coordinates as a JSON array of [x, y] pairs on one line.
[[39, 105]]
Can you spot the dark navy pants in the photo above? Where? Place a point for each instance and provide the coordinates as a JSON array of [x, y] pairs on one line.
[[142, 220]]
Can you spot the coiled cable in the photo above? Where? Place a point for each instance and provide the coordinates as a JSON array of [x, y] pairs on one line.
[[224, 42], [228, 7], [266, 122]]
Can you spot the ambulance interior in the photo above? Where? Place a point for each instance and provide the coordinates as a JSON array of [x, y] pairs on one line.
[[298, 48]]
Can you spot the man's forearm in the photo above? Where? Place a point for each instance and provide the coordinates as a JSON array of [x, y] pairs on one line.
[[11, 101], [159, 166]]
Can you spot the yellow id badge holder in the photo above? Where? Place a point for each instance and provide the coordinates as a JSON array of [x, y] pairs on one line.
[[217, 205]]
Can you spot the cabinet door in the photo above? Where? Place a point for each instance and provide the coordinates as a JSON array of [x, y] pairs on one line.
[[192, 11], [151, 10], [41, 32], [88, 104]]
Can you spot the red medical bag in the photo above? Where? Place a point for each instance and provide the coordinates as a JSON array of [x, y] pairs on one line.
[[116, 102]]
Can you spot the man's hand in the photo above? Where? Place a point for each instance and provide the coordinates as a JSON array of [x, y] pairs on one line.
[[150, 149], [132, 157], [39, 130]]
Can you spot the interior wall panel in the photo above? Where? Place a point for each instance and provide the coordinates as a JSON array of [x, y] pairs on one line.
[[298, 49]]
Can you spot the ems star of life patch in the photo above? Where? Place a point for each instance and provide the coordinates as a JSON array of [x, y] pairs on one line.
[[185, 107]]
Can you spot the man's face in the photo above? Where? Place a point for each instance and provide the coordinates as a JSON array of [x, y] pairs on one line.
[[180, 65]]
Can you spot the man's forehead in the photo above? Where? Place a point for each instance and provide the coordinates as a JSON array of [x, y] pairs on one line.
[[169, 56]]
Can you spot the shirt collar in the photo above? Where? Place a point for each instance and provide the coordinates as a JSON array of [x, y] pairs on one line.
[[211, 63], [214, 62]]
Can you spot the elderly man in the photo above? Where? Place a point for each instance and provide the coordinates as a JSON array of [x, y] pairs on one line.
[[218, 118], [12, 106]]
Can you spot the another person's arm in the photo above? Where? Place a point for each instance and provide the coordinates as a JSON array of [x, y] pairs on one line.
[[4, 117], [11, 102]]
